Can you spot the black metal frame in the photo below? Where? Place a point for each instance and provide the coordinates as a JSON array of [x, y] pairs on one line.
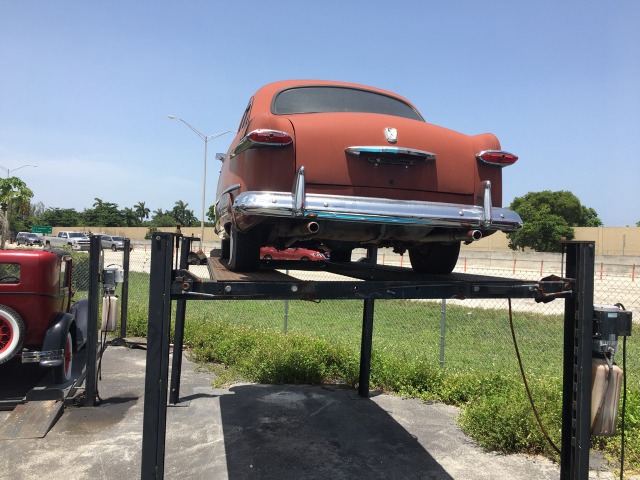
[[381, 282]]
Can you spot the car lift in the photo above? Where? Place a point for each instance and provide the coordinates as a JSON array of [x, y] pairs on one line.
[[170, 281]]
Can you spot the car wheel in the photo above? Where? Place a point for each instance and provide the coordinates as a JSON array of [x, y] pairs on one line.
[[437, 258], [267, 257], [340, 255], [224, 248], [305, 259], [11, 333], [62, 373], [244, 251], [114, 248]]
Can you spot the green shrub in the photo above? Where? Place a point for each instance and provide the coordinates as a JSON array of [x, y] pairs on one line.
[[503, 420], [80, 275]]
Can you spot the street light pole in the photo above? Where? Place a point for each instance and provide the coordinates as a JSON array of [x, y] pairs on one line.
[[9, 170], [205, 139]]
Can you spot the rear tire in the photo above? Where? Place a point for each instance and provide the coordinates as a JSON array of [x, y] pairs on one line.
[[114, 248], [340, 255], [244, 251], [224, 248], [11, 333], [62, 373], [436, 258]]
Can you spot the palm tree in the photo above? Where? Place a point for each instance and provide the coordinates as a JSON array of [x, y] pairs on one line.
[[183, 215], [130, 217], [141, 211], [14, 196]]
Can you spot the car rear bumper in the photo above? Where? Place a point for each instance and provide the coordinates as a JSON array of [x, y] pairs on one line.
[[50, 358], [318, 207]]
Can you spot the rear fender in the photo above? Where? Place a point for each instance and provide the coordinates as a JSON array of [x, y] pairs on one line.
[[56, 335], [80, 312]]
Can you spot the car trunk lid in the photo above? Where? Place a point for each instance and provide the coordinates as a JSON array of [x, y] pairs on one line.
[[353, 149]]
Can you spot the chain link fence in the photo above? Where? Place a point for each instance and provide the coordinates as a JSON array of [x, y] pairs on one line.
[[447, 332]]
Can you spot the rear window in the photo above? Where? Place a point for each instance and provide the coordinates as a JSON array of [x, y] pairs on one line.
[[9, 273], [340, 99]]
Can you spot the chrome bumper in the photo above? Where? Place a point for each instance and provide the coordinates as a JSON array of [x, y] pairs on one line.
[[298, 204], [50, 358]]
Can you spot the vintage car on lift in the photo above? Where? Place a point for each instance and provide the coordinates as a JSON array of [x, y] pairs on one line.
[[38, 322], [335, 166]]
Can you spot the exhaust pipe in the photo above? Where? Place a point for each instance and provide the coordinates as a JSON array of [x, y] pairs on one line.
[[467, 237], [309, 228]]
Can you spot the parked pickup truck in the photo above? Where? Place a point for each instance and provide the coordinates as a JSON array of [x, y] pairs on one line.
[[38, 322], [76, 240]]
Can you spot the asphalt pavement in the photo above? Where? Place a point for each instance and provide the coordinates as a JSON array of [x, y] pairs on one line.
[[251, 431]]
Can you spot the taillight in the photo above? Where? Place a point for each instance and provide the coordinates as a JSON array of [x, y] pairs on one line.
[[262, 138], [270, 137], [497, 157]]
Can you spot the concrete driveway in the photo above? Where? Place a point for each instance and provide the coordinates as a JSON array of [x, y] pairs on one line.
[[261, 432]]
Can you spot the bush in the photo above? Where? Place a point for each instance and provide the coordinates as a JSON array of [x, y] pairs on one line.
[[270, 357], [80, 276], [503, 419]]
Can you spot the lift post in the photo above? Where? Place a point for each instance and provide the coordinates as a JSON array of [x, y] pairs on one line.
[[91, 382], [382, 282], [576, 390]]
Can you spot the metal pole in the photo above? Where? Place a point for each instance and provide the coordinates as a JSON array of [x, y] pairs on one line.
[[178, 337], [154, 424], [204, 189], [286, 310], [367, 336], [443, 317], [124, 297], [576, 392], [91, 391]]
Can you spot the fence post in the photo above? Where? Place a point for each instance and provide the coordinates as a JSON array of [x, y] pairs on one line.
[[286, 310], [601, 268], [124, 297], [443, 317]]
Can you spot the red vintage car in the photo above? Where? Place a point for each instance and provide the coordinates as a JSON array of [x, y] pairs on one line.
[[301, 254], [335, 166], [38, 323]]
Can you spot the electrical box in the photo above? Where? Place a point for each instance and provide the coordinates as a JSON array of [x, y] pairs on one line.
[[609, 322]]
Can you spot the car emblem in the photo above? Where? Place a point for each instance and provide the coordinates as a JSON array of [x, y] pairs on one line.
[[391, 134]]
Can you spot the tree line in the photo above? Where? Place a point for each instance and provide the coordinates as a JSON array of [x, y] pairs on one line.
[[109, 214], [17, 213]]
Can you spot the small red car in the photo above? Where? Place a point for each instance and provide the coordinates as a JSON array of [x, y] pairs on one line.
[[302, 254], [38, 323], [336, 166]]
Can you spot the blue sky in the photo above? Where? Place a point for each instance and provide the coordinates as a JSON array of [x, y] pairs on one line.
[[86, 87]]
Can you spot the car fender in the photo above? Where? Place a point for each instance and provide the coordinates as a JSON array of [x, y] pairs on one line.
[[80, 312], [56, 335]]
